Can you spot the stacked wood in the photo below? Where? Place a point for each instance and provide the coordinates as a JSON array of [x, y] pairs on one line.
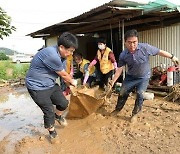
[[158, 93], [159, 90], [174, 95]]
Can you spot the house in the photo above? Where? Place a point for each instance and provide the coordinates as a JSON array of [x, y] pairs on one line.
[[21, 58], [158, 24]]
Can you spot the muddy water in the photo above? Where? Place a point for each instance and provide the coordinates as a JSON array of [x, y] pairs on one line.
[[19, 116]]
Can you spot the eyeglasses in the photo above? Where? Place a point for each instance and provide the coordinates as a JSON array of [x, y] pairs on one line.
[[133, 42], [70, 50]]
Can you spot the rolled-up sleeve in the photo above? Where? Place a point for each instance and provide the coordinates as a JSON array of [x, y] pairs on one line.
[[152, 50], [53, 63]]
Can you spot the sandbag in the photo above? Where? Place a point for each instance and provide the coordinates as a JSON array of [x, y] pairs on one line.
[[83, 102]]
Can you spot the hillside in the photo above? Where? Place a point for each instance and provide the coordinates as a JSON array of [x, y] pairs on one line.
[[7, 51]]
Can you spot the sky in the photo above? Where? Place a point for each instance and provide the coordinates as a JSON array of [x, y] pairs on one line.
[[32, 15]]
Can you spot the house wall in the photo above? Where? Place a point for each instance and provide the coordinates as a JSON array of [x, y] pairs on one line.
[[167, 38], [51, 41], [87, 46]]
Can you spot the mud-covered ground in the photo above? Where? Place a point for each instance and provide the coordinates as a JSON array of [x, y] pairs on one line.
[[157, 129]]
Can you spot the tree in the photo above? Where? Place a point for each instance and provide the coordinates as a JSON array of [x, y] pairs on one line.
[[5, 24], [3, 56]]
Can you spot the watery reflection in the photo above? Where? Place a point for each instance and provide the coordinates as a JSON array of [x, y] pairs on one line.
[[19, 115]]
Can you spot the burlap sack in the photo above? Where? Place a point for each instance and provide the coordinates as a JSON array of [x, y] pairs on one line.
[[84, 102]]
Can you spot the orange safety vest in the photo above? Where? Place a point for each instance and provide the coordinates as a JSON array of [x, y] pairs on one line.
[[84, 62], [105, 64], [69, 63]]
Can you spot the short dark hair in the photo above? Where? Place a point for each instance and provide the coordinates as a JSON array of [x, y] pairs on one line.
[[78, 55], [68, 40], [101, 40], [130, 33]]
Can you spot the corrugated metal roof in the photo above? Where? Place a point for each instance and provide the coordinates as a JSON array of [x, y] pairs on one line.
[[100, 18]]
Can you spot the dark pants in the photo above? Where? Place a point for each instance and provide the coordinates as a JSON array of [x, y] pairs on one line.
[[62, 84], [129, 83], [45, 99], [104, 78]]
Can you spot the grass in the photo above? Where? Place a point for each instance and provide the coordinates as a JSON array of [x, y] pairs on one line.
[[9, 70]]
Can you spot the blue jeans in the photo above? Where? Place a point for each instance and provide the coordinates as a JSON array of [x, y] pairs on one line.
[[130, 83]]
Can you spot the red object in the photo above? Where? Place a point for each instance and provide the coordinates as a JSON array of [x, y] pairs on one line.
[[171, 69], [170, 75], [66, 92], [163, 78]]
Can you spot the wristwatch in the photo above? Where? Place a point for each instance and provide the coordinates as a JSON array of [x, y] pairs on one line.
[[171, 56]]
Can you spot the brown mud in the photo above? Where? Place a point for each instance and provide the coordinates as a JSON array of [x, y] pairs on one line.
[[156, 129]]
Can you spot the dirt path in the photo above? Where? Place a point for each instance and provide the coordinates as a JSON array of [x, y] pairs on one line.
[[157, 130]]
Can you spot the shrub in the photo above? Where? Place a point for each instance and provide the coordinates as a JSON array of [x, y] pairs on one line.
[[3, 56], [19, 70]]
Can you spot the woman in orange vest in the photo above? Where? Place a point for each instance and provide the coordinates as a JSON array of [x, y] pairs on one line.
[[89, 75], [107, 61], [68, 67]]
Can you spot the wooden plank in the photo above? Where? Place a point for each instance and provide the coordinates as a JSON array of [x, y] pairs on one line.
[[158, 93]]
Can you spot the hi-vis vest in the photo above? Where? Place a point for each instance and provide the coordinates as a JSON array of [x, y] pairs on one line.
[[84, 62], [105, 64], [69, 63]]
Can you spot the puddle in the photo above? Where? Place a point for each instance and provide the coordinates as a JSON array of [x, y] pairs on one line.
[[19, 116]]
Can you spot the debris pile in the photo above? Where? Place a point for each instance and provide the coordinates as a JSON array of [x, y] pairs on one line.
[[159, 76], [174, 95], [13, 82]]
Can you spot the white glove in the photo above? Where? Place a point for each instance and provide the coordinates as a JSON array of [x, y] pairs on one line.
[[74, 82], [71, 74], [175, 60]]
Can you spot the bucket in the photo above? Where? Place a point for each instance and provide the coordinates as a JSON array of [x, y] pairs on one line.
[[118, 87]]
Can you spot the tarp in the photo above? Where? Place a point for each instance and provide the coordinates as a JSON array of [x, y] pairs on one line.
[[159, 5]]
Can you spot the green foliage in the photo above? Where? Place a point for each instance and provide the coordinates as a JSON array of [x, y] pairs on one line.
[[3, 56], [9, 70], [5, 24]]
